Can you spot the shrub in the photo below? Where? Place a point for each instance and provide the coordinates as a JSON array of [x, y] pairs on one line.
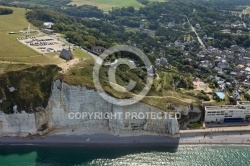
[[5, 11]]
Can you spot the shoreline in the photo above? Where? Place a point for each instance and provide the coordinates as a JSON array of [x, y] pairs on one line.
[[218, 138], [93, 140]]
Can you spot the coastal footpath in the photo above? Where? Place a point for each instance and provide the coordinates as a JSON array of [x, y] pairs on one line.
[[225, 137]]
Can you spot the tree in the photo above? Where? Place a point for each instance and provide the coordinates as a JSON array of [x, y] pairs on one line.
[[247, 96], [226, 43], [5, 11]]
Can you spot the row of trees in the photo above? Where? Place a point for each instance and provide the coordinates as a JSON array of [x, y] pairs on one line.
[[226, 40], [144, 2], [57, 4], [84, 32], [84, 11], [224, 4], [5, 11]]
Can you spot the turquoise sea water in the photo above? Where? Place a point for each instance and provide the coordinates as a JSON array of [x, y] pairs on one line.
[[184, 155]]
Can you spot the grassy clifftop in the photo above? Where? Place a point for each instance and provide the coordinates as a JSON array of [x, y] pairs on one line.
[[32, 88], [82, 75]]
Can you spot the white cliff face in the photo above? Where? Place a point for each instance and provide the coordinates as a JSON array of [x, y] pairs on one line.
[[17, 124], [67, 102], [185, 110]]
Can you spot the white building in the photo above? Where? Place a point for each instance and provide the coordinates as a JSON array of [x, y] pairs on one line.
[[228, 113], [198, 26], [48, 25]]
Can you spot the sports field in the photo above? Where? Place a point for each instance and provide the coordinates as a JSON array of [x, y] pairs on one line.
[[109, 4]]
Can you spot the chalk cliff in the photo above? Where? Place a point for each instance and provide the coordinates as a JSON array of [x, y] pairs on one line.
[[68, 100], [17, 124]]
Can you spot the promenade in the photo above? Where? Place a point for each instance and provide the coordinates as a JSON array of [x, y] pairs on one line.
[[220, 135]]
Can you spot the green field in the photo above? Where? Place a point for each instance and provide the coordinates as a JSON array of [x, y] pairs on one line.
[[14, 52], [109, 4], [15, 22], [80, 54], [247, 11]]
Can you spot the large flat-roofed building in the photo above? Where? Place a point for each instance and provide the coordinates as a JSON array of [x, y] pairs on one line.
[[48, 31], [228, 113]]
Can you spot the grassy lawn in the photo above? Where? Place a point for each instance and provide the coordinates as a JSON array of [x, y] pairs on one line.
[[162, 102], [196, 125], [109, 4], [13, 50], [38, 59], [12, 67], [15, 22], [80, 54], [247, 10], [223, 102]]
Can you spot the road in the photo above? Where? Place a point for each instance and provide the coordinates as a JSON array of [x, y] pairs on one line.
[[243, 12], [97, 59], [197, 35]]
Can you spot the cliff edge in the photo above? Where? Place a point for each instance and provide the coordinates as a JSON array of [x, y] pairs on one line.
[[67, 101]]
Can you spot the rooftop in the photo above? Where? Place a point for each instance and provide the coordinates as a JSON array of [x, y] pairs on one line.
[[224, 107]]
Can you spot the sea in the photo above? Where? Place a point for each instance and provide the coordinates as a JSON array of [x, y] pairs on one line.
[[184, 155]]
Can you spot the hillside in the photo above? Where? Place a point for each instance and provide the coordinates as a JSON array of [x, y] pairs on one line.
[[102, 4], [27, 88], [109, 4]]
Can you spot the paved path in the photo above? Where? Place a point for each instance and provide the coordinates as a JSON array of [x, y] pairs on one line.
[[97, 59], [183, 100], [243, 12], [218, 129], [216, 138], [198, 37]]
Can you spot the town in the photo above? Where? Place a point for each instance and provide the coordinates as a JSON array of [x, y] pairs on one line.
[[114, 82]]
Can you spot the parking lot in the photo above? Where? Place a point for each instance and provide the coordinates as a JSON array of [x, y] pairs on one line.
[[43, 44]]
